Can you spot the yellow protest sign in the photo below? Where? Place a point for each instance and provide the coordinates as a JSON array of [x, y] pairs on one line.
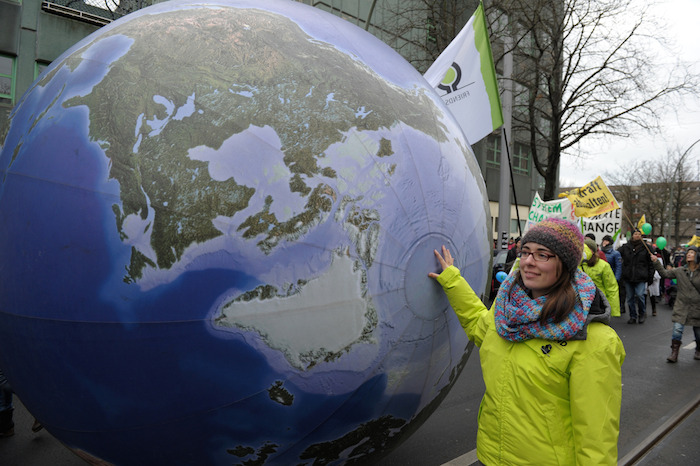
[[592, 199], [641, 222], [694, 241]]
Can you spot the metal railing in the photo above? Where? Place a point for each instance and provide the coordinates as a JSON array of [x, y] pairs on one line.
[[99, 12]]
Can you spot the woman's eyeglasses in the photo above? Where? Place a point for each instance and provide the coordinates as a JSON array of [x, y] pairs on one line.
[[539, 256]]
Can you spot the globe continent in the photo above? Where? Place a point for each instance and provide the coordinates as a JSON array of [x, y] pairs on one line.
[[218, 219]]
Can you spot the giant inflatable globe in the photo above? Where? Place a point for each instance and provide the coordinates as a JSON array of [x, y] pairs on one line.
[[216, 225]]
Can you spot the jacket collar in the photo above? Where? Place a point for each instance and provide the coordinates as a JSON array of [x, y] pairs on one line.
[[600, 311]]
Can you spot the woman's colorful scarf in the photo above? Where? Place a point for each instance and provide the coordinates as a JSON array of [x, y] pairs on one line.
[[517, 315]]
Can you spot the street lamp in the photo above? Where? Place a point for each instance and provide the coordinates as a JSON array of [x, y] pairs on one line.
[[676, 180], [690, 147]]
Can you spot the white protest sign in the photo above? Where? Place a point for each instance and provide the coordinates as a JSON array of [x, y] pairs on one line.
[[558, 208], [608, 223]]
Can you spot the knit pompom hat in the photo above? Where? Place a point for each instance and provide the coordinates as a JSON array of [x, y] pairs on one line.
[[591, 244], [563, 238]]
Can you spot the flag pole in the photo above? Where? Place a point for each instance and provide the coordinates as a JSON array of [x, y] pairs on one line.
[[512, 185], [635, 227], [507, 105]]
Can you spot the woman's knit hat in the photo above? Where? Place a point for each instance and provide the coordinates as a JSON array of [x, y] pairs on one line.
[[563, 238], [591, 244]]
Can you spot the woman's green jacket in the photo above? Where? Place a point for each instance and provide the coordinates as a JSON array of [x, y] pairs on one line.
[[546, 402]]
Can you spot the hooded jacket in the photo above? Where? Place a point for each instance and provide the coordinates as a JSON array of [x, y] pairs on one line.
[[614, 259], [546, 402], [602, 275]]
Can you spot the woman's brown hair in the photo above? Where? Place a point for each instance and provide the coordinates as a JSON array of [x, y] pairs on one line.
[[591, 261], [561, 297]]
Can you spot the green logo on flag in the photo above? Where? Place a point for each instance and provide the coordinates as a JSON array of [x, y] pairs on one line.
[[451, 80]]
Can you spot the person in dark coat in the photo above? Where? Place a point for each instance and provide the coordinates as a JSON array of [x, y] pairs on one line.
[[514, 252], [637, 272]]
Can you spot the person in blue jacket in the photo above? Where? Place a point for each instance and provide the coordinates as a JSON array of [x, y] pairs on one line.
[[615, 260], [612, 256]]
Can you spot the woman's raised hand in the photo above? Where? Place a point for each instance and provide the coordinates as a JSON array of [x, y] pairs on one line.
[[445, 260]]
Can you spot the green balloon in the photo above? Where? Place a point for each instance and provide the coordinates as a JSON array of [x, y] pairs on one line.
[[646, 228], [660, 242]]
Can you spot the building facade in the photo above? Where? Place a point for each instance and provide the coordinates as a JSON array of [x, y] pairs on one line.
[[673, 209], [30, 39], [33, 33]]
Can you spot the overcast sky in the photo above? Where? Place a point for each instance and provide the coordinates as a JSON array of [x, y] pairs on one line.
[[612, 154]]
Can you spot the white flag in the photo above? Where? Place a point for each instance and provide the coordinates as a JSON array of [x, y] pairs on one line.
[[465, 78]]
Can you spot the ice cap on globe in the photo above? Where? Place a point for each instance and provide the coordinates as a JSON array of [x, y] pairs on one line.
[[218, 219]]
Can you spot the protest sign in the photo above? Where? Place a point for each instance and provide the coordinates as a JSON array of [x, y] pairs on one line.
[[608, 223], [558, 208], [592, 199]]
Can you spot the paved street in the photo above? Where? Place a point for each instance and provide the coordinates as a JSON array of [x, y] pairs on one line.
[[653, 392]]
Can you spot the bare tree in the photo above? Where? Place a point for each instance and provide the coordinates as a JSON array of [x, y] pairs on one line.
[[680, 172], [583, 68], [421, 29], [654, 196], [625, 185], [660, 189]]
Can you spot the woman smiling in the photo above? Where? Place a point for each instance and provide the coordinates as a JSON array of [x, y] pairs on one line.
[[551, 364]]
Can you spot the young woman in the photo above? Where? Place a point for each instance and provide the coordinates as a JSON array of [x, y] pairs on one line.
[[602, 275], [686, 310], [551, 365]]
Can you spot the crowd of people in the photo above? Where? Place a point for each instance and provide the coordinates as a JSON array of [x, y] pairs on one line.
[[648, 271], [547, 350]]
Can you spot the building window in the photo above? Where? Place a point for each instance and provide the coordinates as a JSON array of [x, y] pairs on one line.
[[430, 32], [493, 150], [545, 126], [521, 159], [540, 181], [514, 230], [98, 12], [521, 96], [39, 68], [7, 80]]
